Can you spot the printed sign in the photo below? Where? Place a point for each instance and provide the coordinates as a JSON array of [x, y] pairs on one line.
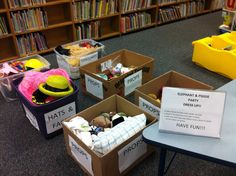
[[149, 107], [94, 86], [131, 152], [194, 112], [106, 65], [83, 157], [88, 58], [132, 82], [31, 117], [54, 118]]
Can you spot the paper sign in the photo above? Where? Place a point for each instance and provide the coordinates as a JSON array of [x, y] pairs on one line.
[[106, 65], [31, 117], [54, 118], [88, 58], [132, 82], [149, 107], [131, 152], [94, 86], [81, 155], [194, 112]]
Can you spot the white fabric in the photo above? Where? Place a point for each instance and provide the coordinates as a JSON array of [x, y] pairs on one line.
[[106, 141]]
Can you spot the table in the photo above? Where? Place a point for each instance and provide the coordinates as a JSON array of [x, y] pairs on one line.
[[212, 149]]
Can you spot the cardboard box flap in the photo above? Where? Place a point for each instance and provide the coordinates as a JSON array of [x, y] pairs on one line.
[[126, 57], [178, 80]]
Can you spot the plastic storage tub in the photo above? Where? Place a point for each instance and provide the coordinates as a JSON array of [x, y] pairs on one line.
[[6, 89], [47, 118], [73, 71]]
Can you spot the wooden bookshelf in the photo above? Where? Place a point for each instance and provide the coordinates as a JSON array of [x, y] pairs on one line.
[[56, 22], [169, 10]]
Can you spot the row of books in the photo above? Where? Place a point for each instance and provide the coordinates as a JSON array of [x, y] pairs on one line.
[[134, 21], [218, 4], [129, 5], [170, 13], [24, 3], [88, 30], [196, 7], [88, 9], [29, 19], [3, 26], [167, 1], [31, 43]]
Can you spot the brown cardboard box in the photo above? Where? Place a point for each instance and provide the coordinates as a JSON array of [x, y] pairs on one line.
[[123, 157], [123, 85], [170, 79]]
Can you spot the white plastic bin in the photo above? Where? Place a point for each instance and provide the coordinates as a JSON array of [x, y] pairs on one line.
[[6, 88], [73, 71]]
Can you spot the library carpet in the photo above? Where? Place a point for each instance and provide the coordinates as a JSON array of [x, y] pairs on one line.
[[23, 151]]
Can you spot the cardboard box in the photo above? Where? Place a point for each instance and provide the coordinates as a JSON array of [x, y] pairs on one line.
[[123, 157], [47, 118], [123, 85], [170, 79], [73, 71], [6, 88]]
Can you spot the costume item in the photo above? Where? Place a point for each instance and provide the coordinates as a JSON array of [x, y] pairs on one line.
[[56, 86], [33, 63], [32, 80], [104, 140]]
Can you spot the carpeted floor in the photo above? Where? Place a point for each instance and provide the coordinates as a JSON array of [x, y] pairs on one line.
[[24, 152]]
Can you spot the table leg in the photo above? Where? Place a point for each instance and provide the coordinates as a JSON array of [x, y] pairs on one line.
[[161, 168]]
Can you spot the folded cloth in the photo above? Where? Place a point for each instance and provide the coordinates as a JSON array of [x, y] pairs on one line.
[[107, 140]]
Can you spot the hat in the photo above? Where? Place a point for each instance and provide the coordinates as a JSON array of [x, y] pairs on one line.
[[33, 63], [56, 86]]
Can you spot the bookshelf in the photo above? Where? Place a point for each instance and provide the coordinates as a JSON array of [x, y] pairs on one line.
[[37, 26], [172, 10]]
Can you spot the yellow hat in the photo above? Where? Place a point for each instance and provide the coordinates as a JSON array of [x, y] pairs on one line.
[[56, 86], [33, 63]]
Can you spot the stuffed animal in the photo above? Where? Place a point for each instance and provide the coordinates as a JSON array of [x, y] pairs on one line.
[[102, 120]]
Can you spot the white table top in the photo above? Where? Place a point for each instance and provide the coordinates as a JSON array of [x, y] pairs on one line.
[[222, 149]]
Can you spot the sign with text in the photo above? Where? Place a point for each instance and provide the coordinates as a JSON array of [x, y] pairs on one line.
[[149, 107], [94, 86], [131, 152], [106, 65], [88, 58], [81, 155], [54, 118], [132, 82], [194, 112]]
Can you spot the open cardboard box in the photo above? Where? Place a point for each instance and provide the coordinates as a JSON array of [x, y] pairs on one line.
[[122, 158], [123, 85], [170, 79]]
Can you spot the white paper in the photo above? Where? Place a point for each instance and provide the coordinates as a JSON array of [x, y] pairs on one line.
[[132, 82], [81, 155], [88, 58], [194, 112], [131, 152], [106, 65], [149, 107], [54, 118], [31, 117], [94, 86]]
